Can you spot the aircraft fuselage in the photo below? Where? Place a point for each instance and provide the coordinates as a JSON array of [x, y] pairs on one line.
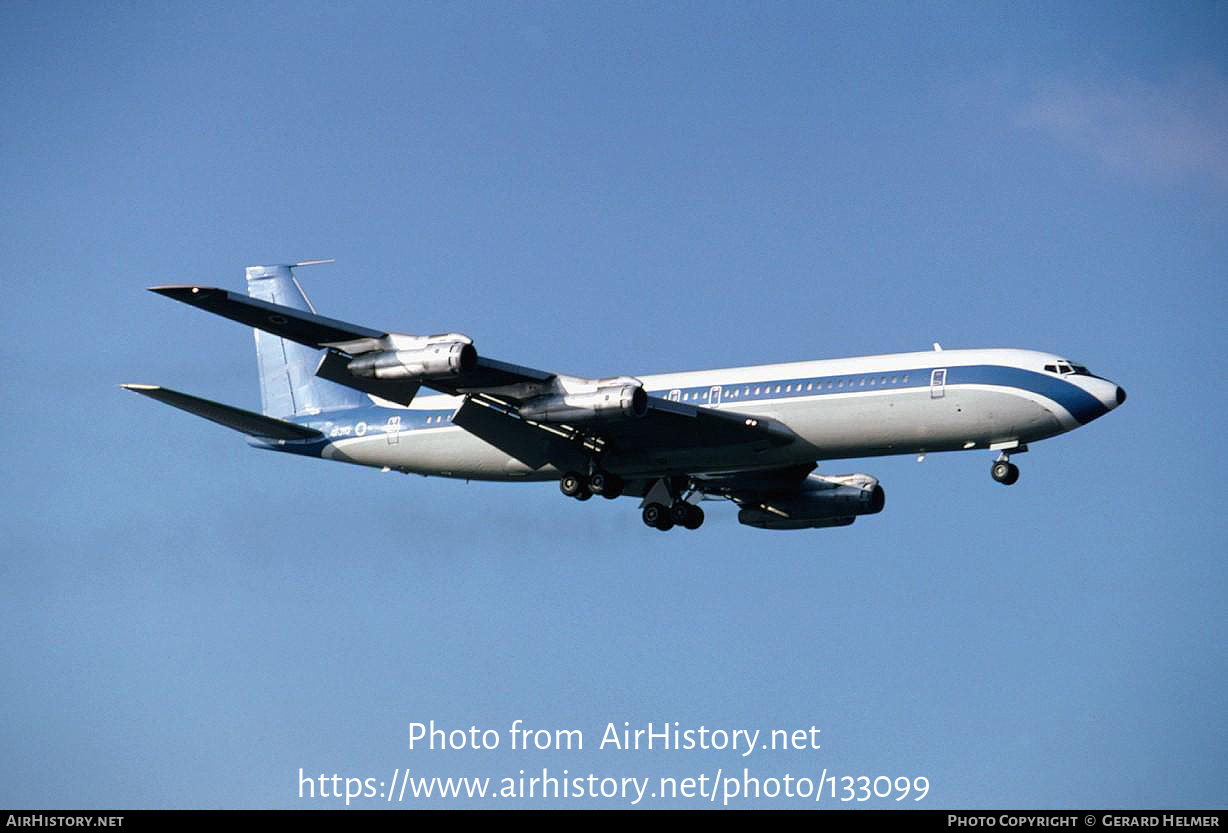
[[905, 403]]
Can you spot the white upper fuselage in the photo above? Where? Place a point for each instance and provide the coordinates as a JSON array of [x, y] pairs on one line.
[[902, 403]]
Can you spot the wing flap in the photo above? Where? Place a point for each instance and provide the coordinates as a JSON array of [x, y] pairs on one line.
[[783, 480], [678, 425], [527, 443]]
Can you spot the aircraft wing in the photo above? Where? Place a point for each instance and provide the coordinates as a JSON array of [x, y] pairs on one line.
[[678, 425], [343, 340], [740, 486], [784, 481], [496, 385], [666, 427], [296, 325]]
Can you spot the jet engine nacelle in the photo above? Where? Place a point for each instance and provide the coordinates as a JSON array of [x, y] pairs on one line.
[[822, 501], [431, 360], [609, 402]]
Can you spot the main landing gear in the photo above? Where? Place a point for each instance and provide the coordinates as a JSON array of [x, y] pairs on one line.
[[1003, 470], [679, 513], [667, 505], [574, 484]]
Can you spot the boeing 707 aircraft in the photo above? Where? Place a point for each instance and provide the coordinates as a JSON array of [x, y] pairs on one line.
[[751, 435]]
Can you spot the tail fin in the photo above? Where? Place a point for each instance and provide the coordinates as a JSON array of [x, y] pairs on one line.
[[288, 382]]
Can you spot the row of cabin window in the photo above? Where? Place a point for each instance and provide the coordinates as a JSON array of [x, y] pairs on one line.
[[732, 393]]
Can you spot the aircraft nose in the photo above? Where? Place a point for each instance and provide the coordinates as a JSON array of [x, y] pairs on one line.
[[1109, 394]]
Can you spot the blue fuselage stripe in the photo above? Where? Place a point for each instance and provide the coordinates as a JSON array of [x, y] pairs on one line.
[[1082, 405]]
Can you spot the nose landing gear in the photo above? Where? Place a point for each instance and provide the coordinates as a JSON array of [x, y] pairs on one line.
[[1003, 470]]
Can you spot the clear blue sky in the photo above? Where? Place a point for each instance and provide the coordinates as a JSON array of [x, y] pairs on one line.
[[604, 189]]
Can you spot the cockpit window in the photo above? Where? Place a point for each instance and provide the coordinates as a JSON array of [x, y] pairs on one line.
[[1066, 369]]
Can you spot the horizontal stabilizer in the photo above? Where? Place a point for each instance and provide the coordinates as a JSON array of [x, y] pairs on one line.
[[246, 422]]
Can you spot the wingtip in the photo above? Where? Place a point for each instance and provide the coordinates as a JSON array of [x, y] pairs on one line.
[[132, 386], [183, 290]]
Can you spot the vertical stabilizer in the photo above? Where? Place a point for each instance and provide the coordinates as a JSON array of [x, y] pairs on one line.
[[288, 384]]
